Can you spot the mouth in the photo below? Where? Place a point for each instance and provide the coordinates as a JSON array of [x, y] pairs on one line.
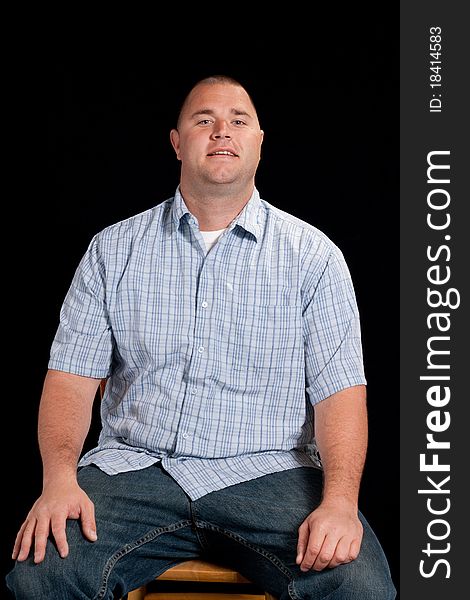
[[223, 153]]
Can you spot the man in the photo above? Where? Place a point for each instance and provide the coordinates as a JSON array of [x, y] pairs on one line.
[[229, 335]]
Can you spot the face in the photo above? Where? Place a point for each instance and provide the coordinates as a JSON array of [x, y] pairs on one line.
[[218, 139]]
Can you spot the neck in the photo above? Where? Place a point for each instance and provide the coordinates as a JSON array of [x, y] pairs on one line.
[[214, 211]]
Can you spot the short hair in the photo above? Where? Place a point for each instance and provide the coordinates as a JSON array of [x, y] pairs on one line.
[[212, 80]]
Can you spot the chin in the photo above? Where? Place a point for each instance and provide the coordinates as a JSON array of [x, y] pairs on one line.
[[221, 179]]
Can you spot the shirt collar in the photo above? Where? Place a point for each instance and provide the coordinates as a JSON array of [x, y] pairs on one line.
[[250, 218], [179, 208]]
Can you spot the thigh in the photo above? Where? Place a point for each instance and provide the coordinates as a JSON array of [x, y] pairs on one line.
[[143, 526], [267, 510], [254, 525]]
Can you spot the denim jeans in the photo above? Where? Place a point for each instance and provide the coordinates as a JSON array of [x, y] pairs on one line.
[[146, 524]]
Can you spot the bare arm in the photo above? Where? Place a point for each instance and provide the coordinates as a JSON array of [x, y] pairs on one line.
[[332, 534], [64, 420]]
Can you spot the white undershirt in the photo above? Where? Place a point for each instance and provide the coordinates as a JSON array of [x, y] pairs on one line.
[[210, 237]]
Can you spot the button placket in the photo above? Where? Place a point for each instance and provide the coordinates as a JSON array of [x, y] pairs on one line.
[[197, 371]]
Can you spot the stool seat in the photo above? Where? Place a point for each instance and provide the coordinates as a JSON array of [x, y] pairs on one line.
[[199, 571]]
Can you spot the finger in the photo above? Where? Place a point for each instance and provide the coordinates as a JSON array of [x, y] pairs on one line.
[[40, 539], [355, 548], [18, 540], [314, 546], [88, 521], [326, 553], [341, 554], [26, 539], [58, 525], [302, 542]]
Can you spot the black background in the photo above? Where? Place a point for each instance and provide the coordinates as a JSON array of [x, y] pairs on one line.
[[92, 147]]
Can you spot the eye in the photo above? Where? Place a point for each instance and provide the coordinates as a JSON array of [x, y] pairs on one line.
[[205, 122], [239, 122]]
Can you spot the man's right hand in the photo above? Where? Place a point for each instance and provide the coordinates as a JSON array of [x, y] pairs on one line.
[[59, 501]]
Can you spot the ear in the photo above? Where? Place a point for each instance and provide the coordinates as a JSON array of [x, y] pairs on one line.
[[175, 142]]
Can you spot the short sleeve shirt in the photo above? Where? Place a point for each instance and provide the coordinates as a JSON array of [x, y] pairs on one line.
[[213, 360]]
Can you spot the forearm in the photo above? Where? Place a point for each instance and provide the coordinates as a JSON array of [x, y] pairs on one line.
[[341, 435], [64, 420], [331, 535]]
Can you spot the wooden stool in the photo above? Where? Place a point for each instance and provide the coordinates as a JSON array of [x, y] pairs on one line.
[[199, 571]]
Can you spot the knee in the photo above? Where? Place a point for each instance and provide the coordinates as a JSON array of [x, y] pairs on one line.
[[27, 580], [375, 585], [48, 580], [344, 583]]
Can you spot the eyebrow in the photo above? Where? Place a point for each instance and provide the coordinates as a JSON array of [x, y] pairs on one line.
[[210, 111]]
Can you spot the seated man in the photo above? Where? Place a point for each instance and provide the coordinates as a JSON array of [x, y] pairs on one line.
[[234, 419]]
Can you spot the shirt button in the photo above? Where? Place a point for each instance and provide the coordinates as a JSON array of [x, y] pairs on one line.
[[204, 304], [185, 435], [200, 349], [194, 391]]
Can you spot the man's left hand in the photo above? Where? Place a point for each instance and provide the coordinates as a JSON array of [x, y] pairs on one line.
[[330, 536]]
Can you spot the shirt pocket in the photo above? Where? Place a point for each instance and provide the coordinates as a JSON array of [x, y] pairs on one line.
[[260, 338]]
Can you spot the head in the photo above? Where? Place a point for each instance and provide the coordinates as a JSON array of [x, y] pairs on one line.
[[218, 138]]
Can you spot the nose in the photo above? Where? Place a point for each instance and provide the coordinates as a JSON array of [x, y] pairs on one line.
[[220, 130]]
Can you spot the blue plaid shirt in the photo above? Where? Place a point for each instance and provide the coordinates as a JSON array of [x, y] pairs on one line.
[[214, 361]]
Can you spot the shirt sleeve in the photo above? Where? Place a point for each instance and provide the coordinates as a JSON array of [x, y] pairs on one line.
[[333, 349], [83, 344]]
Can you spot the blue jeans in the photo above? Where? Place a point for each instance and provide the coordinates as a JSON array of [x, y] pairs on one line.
[[146, 524]]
